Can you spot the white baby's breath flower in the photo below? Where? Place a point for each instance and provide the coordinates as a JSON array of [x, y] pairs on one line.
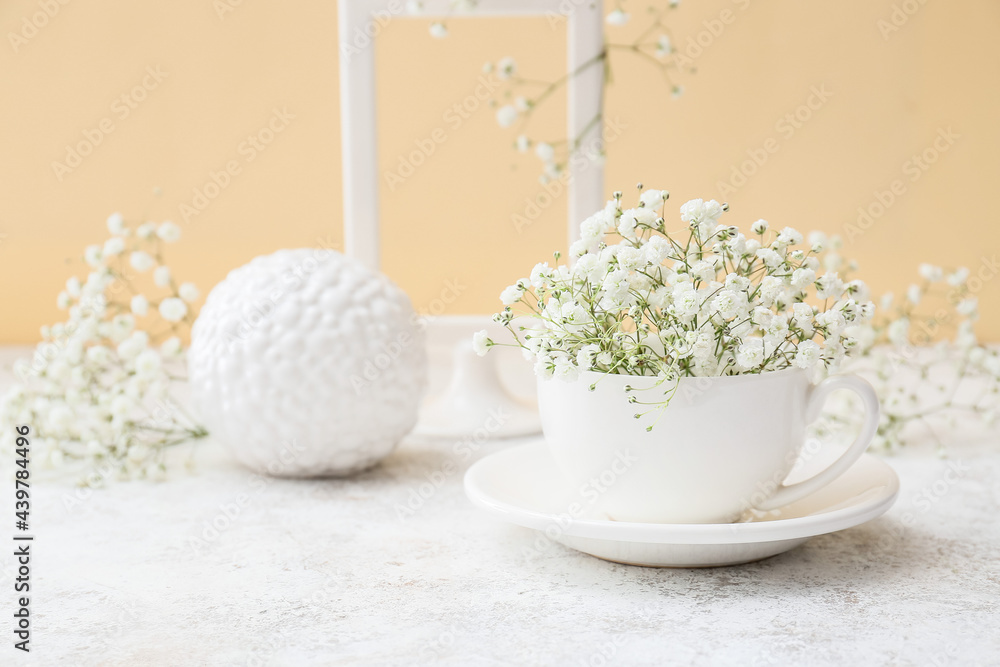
[[544, 366], [770, 257], [627, 224], [750, 353], [829, 286], [776, 331], [141, 261], [481, 342], [693, 210], [173, 309], [617, 18], [657, 249], [122, 326], [968, 307], [511, 295], [545, 152], [802, 313], [587, 355], [161, 276], [594, 227], [146, 230], [589, 269], [550, 172], [113, 246], [522, 143], [789, 236], [858, 289], [730, 303], [958, 277], [699, 210], [807, 354], [438, 30], [148, 363], [139, 305], [664, 46], [138, 453], [703, 270], [965, 338], [507, 115], [913, 294], [97, 282], [168, 231], [832, 321], [130, 348], [189, 292], [93, 256], [99, 355], [685, 301], [899, 332], [172, 347], [581, 247], [541, 275], [653, 198], [116, 224], [506, 68], [931, 273], [565, 369], [759, 227], [632, 259], [73, 287], [803, 278]]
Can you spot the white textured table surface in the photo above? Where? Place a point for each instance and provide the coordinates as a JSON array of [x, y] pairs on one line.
[[327, 572]]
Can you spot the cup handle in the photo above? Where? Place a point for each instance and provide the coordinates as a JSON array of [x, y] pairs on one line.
[[817, 396]]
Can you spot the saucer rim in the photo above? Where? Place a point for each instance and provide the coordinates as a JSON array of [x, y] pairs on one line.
[[684, 533]]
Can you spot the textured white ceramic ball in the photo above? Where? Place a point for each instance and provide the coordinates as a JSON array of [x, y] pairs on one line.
[[305, 363]]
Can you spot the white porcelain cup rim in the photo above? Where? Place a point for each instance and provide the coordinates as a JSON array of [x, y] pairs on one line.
[[742, 377]]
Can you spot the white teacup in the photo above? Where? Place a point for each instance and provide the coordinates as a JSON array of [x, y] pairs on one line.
[[723, 445]]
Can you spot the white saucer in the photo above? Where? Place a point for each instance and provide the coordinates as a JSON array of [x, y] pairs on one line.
[[523, 486]]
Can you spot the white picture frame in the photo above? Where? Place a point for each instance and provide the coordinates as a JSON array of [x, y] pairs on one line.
[[358, 105]]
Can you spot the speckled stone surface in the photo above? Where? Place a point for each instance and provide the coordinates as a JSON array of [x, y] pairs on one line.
[[222, 567]]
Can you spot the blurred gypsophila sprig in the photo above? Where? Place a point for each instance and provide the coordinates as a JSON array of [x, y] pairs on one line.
[[925, 361], [706, 300], [98, 388], [519, 97]]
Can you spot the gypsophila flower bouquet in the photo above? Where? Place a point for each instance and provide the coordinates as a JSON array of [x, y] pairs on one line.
[[708, 300], [98, 387]]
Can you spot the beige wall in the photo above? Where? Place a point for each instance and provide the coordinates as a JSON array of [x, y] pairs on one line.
[[451, 220]]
